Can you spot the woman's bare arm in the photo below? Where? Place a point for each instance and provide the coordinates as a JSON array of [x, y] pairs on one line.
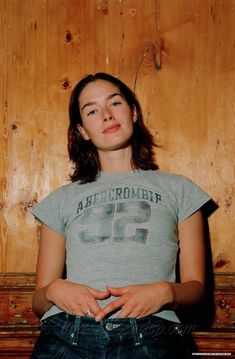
[[50, 267], [52, 289], [190, 290]]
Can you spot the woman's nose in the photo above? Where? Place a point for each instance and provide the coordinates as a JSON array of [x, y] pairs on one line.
[[107, 115]]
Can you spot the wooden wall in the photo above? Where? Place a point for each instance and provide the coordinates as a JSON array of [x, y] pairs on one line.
[[179, 57], [46, 46]]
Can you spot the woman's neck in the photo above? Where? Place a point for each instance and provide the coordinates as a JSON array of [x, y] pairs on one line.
[[116, 161]]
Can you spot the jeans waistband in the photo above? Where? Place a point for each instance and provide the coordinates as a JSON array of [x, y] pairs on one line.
[[152, 325]]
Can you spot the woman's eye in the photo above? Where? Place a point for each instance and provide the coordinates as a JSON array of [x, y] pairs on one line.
[[116, 103], [90, 113]]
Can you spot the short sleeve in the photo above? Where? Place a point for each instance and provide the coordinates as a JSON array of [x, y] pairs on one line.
[[190, 198], [49, 211]]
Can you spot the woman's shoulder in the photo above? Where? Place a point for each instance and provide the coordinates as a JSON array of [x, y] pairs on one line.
[[63, 191], [69, 187], [169, 182], [165, 177]]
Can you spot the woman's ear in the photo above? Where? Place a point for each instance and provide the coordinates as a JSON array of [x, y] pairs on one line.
[[134, 115], [83, 132]]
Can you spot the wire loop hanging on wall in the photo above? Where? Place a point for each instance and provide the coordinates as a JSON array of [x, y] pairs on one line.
[[153, 56]]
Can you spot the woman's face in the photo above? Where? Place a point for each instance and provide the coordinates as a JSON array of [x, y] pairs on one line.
[[107, 119]]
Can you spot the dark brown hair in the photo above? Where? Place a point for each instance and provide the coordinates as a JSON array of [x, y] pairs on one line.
[[83, 153]]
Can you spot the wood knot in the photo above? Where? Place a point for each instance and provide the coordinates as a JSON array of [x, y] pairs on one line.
[[228, 201], [105, 7], [14, 126], [68, 36], [25, 205], [133, 12], [13, 304], [221, 261], [223, 304], [65, 84]]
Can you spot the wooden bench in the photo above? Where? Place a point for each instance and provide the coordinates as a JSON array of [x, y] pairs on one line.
[[19, 327]]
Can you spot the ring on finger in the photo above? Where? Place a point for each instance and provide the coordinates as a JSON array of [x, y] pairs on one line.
[[88, 313]]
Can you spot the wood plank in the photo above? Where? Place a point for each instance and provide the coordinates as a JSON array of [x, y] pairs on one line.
[[16, 292]]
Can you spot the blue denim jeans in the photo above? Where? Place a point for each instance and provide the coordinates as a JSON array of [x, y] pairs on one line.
[[74, 337]]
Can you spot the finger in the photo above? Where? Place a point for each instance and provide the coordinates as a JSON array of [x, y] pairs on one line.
[[91, 308], [89, 313], [99, 294], [73, 308], [96, 309], [138, 313], [109, 308], [117, 291], [126, 312]]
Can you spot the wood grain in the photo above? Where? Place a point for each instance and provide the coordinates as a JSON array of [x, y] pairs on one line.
[[179, 57], [47, 45]]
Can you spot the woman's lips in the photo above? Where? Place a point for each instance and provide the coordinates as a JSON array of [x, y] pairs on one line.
[[111, 129]]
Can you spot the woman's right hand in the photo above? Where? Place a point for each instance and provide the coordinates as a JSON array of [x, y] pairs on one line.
[[51, 289], [76, 299]]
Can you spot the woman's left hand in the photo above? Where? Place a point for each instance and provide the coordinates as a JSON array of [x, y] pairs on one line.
[[138, 300]]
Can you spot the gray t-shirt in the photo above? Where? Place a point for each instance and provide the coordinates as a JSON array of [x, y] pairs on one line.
[[122, 228]]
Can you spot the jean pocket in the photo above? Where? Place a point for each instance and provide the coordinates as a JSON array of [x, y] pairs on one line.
[[51, 324], [47, 347]]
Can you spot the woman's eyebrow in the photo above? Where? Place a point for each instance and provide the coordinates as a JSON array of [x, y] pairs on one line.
[[108, 98], [113, 95], [88, 104]]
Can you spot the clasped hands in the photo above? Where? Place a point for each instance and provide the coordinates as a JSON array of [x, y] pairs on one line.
[[135, 301], [138, 301]]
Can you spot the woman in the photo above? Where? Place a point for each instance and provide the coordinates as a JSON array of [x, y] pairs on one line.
[[119, 228]]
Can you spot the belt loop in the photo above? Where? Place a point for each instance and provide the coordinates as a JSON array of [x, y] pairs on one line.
[[137, 335], [77, 322], [75, 328]]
